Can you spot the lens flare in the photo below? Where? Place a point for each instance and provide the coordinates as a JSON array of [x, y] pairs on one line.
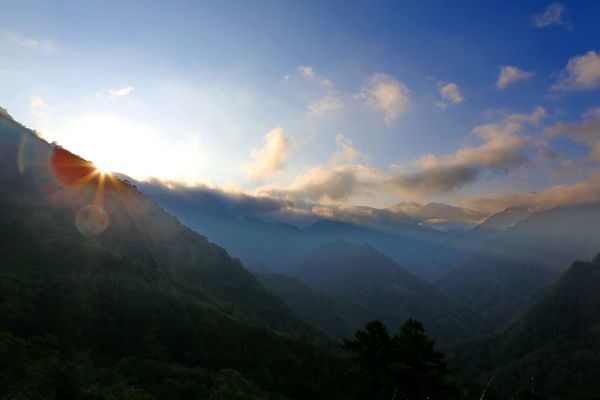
[[91, 220], [70, 170]]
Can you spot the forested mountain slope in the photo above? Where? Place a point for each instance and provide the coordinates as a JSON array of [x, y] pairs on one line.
[[534, 252], [136, 304], [361, 276], [555, 346]]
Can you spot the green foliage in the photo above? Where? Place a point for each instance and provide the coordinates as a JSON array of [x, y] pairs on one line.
[[231, 385]]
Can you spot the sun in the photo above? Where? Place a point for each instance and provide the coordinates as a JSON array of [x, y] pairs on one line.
[[102, 169]]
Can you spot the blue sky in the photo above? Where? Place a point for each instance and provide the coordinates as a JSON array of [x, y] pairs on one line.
[[337, 103]]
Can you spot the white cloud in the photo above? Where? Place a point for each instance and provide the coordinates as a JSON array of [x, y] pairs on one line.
[[306, 71], [309, 74], [40, 109], [122, 92], [43, 45], [581, 73], [334, 180], [324, 98], [385, 94], [346, 152], [554, 14], [450, 93], [510, 74], [268, 159], [325, 105]]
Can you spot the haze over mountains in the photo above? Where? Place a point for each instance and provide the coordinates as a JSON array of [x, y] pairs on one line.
[[248, 226], [91, 260]]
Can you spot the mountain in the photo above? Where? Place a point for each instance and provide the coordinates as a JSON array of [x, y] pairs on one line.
[[274, 245], [456, 251], [555, 346], [337, 318], [365, 278], [122, 300], [408, 244], [529, 255]]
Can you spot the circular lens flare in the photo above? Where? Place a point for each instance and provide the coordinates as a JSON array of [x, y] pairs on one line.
[[91, 220]]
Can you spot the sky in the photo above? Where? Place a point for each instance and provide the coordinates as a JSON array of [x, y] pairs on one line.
[[486, 105]]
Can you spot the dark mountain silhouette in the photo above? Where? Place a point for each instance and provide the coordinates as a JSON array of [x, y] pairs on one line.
[[553, 347], [361, 276], [534, 252]]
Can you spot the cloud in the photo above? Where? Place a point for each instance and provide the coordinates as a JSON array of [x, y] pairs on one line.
[[510, 75], [210, 199], [586, 132], [216, 201], [581, 73], [309, 74], [554, 14], [122, 92], [331, 183], [270, 158], [346, 153], [43, 45], [324, 106], [306, 71], [450, 93], [40, 109], [559, 195], [502, 149], [335, 180], [324, 98], [385, 94]]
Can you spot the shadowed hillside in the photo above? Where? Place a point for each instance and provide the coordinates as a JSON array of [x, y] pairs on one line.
[[129, 296], [554, 345], [369, 280], [499, 280]]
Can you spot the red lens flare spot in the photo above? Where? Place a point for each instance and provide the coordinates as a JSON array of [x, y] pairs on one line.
[[91, 220], [70, 170]]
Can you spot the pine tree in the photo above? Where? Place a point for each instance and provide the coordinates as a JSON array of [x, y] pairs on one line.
[[418, 370], [371, 349]]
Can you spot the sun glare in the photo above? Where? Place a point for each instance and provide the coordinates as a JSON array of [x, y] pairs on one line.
[[116, 144]]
